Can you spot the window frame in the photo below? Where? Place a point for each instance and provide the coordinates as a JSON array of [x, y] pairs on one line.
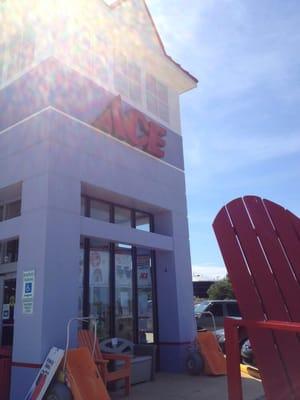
[[112, 281], [152, 94], [87, 208], [122, 78], [3, 250], [4, 209]]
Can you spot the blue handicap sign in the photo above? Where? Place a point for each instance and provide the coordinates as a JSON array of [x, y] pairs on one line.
[[28, 287]]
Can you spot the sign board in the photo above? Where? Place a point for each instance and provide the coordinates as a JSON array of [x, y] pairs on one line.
[[99, 268], [28, 284], [28, 307], [45, 375], [5, 311], [132, 127], [28, 291]]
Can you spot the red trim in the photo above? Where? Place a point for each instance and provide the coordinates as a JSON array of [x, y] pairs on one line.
[[117, 3], [25, 365], [5, 372]]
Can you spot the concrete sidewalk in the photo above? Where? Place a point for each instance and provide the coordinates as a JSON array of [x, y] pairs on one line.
[[186, 387]]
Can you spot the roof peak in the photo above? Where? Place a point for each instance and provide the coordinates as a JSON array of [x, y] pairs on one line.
[[115, 3]]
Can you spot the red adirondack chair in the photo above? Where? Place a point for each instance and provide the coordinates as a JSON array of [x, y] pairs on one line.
[[260, 244], [86, 339]]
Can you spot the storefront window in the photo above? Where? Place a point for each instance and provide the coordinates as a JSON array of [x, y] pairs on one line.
[[118, 290], [157, 98], [127, 78], [100, 210], [124, 297], [13, 209], [109, 212], [83, 206], [99, 268], [145, 296], [80, 282], [11, 254], [123, 216], [9, 251], [142, 221], [10, 210]]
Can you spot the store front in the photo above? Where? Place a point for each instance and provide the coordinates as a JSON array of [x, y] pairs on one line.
[[93, 212], [118, 290], [117, 281]]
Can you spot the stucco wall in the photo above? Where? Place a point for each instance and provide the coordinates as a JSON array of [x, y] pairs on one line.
[[52, 152]]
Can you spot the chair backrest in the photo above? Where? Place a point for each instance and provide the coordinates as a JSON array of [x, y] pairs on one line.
[[86, 338], [260, 244], [117, 345], [83, 376]]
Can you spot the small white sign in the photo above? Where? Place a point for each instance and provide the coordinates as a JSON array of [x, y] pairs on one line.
[[28, 284], [5, 311], [45, 375], [28, 307]]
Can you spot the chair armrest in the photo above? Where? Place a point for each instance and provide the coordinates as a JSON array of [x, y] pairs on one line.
[[115, 357], [147, 350], [112, 356], [104, 362], [144, 350], [231, 326], [231, 323]]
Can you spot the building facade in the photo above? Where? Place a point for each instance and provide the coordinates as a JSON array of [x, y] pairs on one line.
[[93, 217]]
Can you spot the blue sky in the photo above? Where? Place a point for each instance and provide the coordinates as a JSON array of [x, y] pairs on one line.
[[241, 126]]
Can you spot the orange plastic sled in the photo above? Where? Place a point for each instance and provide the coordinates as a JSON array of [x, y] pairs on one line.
[[83, 377], [214, 360]]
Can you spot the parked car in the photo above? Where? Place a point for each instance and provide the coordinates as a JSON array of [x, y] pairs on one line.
[[219, 309], [220, 335]]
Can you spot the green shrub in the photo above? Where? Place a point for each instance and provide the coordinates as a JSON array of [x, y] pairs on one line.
[[221, 290]]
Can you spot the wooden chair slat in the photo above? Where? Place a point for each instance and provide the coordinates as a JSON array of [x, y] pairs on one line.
[[288, 230], [274, 249]]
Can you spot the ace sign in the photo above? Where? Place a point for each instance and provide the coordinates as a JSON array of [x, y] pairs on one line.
[[132, 127]]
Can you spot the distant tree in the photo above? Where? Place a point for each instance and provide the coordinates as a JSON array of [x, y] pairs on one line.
[[221, 290]]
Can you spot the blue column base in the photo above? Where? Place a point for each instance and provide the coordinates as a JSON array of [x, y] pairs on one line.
[[173, 357], [21, 380]]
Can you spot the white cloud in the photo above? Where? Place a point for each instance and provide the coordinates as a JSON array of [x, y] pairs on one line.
[[231, 152], [208, 272]]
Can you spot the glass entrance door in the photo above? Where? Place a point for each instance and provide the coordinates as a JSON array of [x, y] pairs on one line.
[[7, 305]]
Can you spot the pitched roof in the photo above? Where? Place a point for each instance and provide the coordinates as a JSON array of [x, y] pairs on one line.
[[117, 3]]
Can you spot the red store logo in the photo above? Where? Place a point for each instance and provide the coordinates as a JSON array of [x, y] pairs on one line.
[[132, 127]]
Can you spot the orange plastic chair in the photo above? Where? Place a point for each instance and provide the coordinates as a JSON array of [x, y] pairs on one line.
[[86, 339], [83, 376]]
